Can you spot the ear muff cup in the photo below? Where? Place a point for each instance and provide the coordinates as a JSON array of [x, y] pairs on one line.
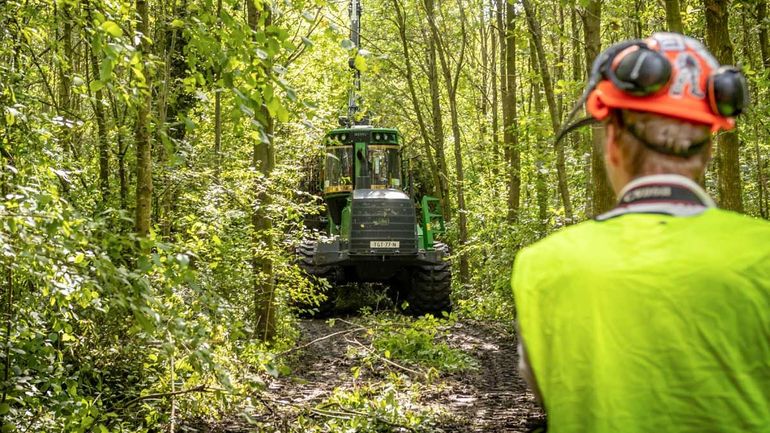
[[640, 71], [727, 91]]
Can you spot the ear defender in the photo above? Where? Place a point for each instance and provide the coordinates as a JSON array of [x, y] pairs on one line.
[[639, 71], [727, 91]]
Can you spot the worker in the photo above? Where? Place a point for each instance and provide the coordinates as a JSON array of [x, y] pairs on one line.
[[654, 316]]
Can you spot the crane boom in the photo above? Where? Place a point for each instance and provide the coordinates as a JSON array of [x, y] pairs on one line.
[[354, 10]]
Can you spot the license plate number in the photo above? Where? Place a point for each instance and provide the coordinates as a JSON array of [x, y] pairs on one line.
[[384, 244]]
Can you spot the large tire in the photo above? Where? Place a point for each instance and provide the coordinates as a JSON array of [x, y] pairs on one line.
[[431, 287], [315, 273]]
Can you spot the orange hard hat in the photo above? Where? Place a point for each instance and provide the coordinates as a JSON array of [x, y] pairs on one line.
[[668, 74]]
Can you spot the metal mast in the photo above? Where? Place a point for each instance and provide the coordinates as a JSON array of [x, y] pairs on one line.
[[354, 10]]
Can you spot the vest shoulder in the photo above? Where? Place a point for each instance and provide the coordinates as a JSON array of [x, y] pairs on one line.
[[567, 239]]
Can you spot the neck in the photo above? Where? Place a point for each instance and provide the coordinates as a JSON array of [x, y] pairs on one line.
[[670, 194]]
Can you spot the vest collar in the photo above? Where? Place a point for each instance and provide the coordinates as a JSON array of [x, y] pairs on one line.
[[667, 194]]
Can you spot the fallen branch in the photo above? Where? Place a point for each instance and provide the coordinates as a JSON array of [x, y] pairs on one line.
[[199, 388], [386, 360], [325, 337]]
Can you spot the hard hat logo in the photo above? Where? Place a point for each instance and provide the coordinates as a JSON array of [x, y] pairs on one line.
[[687, 76]]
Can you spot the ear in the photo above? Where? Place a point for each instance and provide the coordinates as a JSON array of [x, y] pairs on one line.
[[612, 155]]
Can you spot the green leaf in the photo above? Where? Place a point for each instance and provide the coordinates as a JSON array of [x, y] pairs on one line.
[[79, 258], [4, 408], [177, 24], [96, 85], [112, 28], [360, 64], [347, 44]]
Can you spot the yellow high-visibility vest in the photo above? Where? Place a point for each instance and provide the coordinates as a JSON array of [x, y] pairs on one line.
[[649, 320]]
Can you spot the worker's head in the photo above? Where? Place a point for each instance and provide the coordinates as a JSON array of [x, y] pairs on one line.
[[661, 98]]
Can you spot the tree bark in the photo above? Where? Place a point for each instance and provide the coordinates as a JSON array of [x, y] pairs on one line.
[[541, 181], [510, 137], [553, 109], [401, 23], [264, 163], [603, 197], [218, 113], [142, 134], [65, 81], [673, 16], [101, 127], [763, 39], [495, 90], [437, 121], [728, 146], [451, 82]]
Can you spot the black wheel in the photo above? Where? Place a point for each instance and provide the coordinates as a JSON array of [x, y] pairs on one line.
[[317, 274], [431, 287]]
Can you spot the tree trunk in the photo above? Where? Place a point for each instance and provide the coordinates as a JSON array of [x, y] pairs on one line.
[[143, 138], [763, 44], [494, 89], [541, 181], [264, 162], [218, 113], [510, 138], [553, 109], [101, 126], [603, 197], [728, 146], [451, 81], [437, 121], [65, 81], [673, 16], [401, 23]]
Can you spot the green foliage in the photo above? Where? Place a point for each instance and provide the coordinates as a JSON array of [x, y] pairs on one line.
[[418, 342], [370, 409]]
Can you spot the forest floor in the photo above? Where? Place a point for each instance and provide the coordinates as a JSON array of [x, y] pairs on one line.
[[334, 365]]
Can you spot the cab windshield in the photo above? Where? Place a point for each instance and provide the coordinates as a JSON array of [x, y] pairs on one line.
[[385, 164], [338, 169]]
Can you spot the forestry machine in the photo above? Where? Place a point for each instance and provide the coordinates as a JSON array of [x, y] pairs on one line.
[[375, 229]]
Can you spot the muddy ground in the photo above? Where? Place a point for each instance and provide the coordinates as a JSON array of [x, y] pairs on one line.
[[490, 398]]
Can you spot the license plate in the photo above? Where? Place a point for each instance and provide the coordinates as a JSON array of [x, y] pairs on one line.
[[384, 244]]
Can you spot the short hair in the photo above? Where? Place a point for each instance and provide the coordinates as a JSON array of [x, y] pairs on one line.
[[656, 144]]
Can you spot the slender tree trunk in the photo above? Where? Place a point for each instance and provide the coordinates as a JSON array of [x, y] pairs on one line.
[[65, 81], [728, 146], [401, 22], [438, 123], [761, 192], [484, 97], [673, 16], [264, 162], [101, 126], [553, 108], [510, 137], [451, 81], [603, 196], [763, 39], [503, 90], [638, 27], [494, 89], [143, 137], [541, 181], [218, 113]]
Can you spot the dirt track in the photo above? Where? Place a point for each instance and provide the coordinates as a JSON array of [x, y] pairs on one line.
[[490, 399]]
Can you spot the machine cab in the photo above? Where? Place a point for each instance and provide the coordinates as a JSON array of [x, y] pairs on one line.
[[362, 157]]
